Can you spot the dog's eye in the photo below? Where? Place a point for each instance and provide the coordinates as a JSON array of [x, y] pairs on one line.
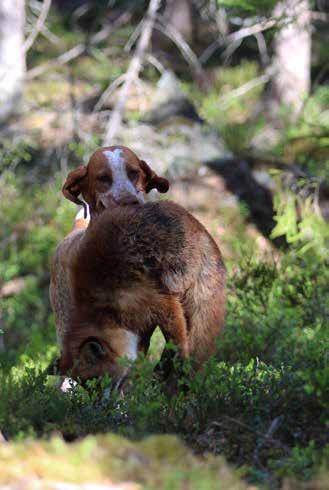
[[105, 179]]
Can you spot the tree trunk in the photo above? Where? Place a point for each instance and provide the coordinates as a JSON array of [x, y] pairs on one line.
[[12, 57], [292, 54]]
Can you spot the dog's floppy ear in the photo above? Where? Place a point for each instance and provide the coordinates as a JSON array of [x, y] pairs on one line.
[[72, 187], [153, 181]]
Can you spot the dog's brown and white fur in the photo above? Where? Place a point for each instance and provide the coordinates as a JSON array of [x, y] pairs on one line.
[[135, 266]]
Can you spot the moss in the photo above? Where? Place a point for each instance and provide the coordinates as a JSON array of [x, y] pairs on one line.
[[155, 462]]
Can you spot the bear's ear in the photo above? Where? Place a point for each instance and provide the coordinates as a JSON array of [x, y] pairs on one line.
[[91, 352], [73, 184], [152, 180]]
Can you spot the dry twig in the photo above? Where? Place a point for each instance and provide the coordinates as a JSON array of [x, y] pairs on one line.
[[108, 92], [133, 38], [262, 48], [155, 62], [38, 26], [234, 39], [189, 55], [79, 49], [251, 30], [267, 438], [64, 58], [115, 120], [243, 89]]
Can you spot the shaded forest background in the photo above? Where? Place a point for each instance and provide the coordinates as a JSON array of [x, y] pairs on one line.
[[230, 101]]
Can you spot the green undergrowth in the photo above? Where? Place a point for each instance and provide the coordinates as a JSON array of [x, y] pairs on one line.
[[262, 402], [240, 117]]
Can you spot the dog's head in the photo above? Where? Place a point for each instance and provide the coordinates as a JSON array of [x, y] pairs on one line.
[[114, 175]]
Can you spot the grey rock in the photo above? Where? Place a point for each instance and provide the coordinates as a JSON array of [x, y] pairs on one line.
[[168, 88], [180, 143], [169, 101], [181, 107], [176, 149]]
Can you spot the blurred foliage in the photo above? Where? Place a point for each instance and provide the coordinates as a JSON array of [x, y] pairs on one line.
[[272, 366], [225, 80], [31, 226], [299, 219], [158, 462], [248, 6]]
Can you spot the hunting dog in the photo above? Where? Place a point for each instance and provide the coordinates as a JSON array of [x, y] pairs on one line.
[[135, 266]]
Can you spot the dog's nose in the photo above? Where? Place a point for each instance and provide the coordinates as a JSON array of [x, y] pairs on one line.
[[110, 201], [127, 200]]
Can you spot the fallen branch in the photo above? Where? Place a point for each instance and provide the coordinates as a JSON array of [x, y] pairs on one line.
[[115, 120], [79, 49], [235, 38], [108, 92], [268, 438], [50, 36], [64, 58], [133, 38], [224, 101], [155, 62], [38, 26], [251, 30], [255, 160], [175, 36], [262, 48]]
